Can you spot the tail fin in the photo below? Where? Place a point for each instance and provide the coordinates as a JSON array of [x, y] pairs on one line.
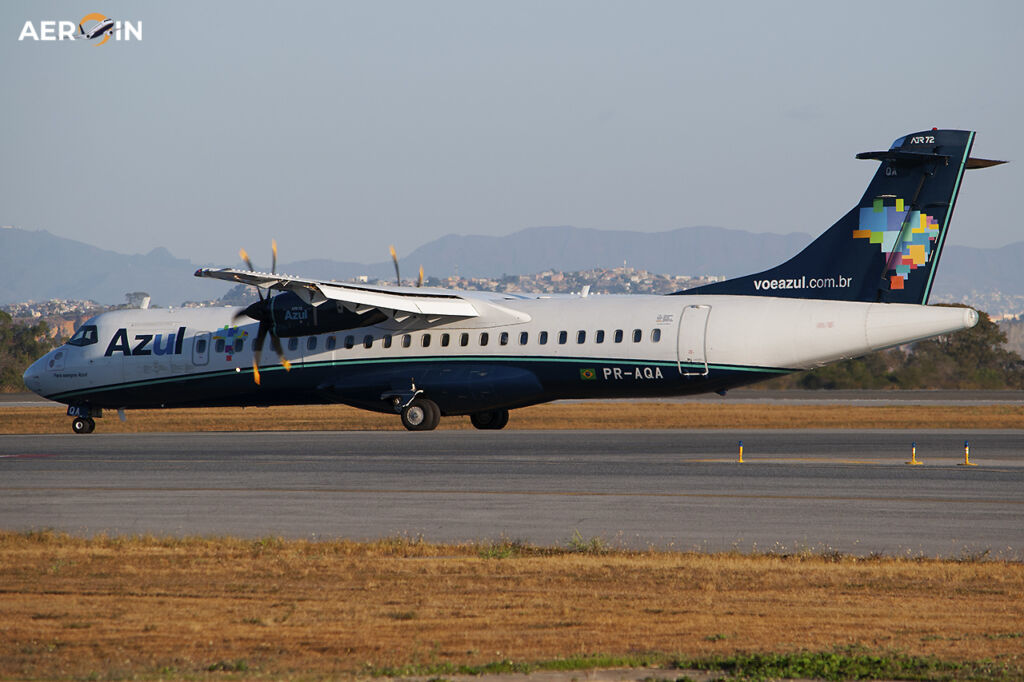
[[887, 248]]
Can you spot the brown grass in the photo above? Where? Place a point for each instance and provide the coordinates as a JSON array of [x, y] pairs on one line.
[[589, 415], [120, 607]]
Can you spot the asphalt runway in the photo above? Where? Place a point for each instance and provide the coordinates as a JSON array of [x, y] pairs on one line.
[[819, 490]]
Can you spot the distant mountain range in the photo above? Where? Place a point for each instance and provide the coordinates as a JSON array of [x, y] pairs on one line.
[[36, 265]]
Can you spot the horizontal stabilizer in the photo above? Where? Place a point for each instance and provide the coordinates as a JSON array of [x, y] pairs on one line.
[[982, 163]]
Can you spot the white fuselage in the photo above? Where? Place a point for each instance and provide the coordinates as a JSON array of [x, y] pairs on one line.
[[611, 345]]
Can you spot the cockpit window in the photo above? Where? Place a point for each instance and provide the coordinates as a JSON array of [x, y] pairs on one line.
[[85, 336]]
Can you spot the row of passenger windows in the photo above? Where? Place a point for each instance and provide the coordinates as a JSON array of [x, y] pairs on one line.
[[445, 339]]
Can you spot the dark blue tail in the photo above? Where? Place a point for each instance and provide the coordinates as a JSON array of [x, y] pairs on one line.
[[887, 248]]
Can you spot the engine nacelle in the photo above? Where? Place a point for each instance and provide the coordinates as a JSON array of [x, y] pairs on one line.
[[288, 315]]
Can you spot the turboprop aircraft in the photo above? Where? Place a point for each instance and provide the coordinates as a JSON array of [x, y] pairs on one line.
[[424, 353]]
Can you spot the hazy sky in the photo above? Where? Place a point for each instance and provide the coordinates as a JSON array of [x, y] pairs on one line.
[[340, 127]]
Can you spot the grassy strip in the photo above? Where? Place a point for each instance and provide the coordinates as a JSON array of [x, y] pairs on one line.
[[591, 415], [120, 607], [842, 664]]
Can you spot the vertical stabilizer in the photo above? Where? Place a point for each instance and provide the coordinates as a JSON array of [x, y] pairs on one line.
[[887, 248]]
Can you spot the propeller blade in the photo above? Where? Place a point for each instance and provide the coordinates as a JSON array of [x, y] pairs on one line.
[[420, 282], [276, 343], [394, 257], [273, 263], [245, 257], [257, 351]]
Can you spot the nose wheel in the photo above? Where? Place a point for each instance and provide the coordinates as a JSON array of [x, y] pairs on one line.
[[83, 425], [421, 415]]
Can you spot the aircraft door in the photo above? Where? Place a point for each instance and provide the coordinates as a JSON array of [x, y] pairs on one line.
[[201, 348], [691, 347]]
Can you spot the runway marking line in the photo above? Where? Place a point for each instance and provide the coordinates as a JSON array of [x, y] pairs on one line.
[[509, 493], [28, 455]]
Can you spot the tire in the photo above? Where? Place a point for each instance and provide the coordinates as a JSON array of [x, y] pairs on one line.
[[83, 425], [421, 415], [490, 420]]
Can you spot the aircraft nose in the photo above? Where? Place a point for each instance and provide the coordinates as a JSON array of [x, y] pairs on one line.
[[33, 376]]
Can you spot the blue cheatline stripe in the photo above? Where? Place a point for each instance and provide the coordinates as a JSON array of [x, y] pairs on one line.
[[949, 216], [247, 371]]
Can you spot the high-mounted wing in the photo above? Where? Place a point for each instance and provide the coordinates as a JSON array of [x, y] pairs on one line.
[[415, 301]]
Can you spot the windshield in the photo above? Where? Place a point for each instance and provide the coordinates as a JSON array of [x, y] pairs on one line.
[[85, 336]]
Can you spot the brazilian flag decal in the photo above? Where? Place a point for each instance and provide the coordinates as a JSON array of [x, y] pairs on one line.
[[588, 374]]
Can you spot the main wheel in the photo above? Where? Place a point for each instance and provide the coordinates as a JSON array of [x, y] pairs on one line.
[[492, 419], [421, 415], [83, 425]]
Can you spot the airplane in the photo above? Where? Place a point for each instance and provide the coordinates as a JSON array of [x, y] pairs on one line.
[[102, 27], [424, 353]]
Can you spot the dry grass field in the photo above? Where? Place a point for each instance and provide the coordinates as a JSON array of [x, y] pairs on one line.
[[589, 415], [169, 608]]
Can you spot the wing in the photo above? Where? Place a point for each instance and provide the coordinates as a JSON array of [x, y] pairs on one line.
[[398, 302]]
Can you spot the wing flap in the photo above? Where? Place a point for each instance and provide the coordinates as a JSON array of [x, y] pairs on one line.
[[416, 302]]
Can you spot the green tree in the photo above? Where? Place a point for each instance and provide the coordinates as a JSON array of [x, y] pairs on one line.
[[20, 345], [972, 358]]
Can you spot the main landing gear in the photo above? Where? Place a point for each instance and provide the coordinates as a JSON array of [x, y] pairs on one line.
[[421, 414], [83, 425], [492, 419]]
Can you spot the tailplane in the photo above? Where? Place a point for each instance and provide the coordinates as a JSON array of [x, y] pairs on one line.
[[887, 248]]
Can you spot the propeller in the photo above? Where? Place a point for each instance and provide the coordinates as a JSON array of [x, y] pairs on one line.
[[261, 312], [394, 257], [398, 277]]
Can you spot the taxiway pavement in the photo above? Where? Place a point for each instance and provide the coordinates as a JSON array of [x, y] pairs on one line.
[[821, 490]]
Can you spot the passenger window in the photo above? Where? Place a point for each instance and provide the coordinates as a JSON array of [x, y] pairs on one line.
[[387, 340], [618, 336], [86, 335], [332, 342], [599, 336], [368, 341], [311, 343], [349, 342], [218, 346], [445, 340], [406, 340], [637, 335], [656, 335], [503, 339], [563, 337], [542, 338], [201, 346], [293, 343], [484, 338], [425, 340], [239, 345], [581, 336], [464, 339], [256, 345], [524, 337]]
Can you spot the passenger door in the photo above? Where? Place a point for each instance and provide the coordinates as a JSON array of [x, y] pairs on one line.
[[691, 342]]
